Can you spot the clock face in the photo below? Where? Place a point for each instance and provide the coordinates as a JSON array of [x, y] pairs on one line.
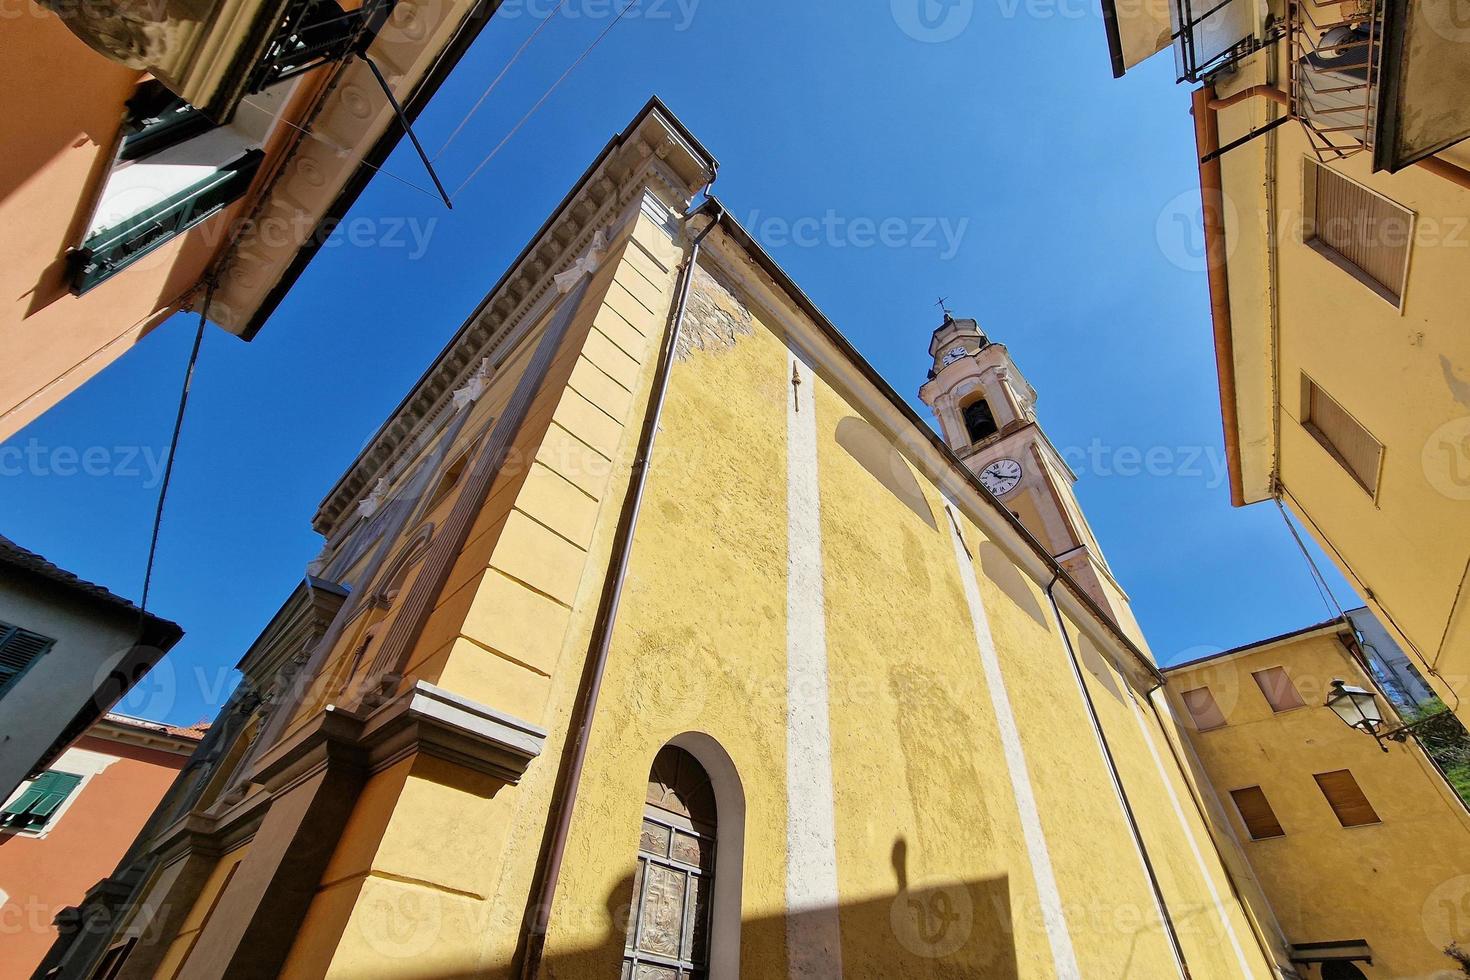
[[954, 354], [1001, 476]]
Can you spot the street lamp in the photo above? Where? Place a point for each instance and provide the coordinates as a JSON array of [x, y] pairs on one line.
[[1359, 709]]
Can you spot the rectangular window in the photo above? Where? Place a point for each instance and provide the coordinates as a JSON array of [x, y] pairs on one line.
[[1341, 435], [36, 802], [18, 650], [1350, 806], [1260, 819], [109, 250], [1363, 232], [1203, 709], [1280, 692]]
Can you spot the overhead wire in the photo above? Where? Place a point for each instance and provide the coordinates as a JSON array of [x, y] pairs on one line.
[[496, 80], [345, 151], [1324, 589], [541, 101], [173, 448]]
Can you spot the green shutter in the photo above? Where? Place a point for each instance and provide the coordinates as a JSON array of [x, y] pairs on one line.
[[39, 801], [18, 650]]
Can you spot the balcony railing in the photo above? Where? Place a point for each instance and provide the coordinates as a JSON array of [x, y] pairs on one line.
[[312, 33], [1335, 50], [1210, 35], [113, 249]]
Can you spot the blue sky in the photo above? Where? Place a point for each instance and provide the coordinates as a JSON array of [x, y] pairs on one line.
[[1015, 176]]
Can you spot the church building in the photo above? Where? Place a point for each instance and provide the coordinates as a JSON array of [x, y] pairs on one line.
[[677, 646]]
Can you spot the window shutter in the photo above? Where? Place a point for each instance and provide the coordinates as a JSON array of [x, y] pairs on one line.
[[1350, 806], [39, 801], [1278, 689], [1365, 233], [1260, 819], [18, 650], [1341, 435], [1203, 709]]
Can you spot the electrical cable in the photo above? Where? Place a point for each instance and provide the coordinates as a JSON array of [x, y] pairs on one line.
[[1318, 579], [173, 448], [346, 152], [496, 80], [546, 95]]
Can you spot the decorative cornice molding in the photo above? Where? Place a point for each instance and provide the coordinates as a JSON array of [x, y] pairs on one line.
[[432, 721], [424, 719], [650, 169]]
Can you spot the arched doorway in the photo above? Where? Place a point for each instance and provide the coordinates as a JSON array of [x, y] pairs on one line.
[[668, 936]]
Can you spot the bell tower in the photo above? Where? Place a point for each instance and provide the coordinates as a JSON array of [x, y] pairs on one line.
[[987, 415]]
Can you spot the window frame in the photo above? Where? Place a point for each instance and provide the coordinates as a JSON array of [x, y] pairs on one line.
[[1320, 436], [1301, 702], [53, 816], [1244, 822], [1311, 169], [8, 632], [1184, 698], [1336, 813]]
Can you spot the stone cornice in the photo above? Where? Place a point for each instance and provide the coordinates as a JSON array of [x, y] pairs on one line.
[[424, 719], [651, 157]]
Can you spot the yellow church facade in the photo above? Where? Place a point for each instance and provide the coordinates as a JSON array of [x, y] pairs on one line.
[[677, 644]]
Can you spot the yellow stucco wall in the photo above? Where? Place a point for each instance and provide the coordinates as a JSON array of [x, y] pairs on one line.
[[1401, 373], [923, 806], [1401, 884]]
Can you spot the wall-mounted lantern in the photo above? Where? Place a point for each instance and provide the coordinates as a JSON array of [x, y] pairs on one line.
[[1359, 709]]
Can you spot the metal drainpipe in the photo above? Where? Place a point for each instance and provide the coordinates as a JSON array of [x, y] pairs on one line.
[[607, 613], [1117, 780], [1262, 942]]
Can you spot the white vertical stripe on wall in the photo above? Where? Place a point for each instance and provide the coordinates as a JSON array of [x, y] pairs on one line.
[[813, 942], [1064, 957], [1199, 858]]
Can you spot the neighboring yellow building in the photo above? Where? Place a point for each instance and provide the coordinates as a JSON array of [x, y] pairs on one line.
[[1337, 247], [1363, 853], [782, 692]]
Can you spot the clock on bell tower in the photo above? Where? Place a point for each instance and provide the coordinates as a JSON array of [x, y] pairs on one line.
[[987, 415]]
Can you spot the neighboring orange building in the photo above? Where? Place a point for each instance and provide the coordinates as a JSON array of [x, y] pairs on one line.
[[192, 150], [65, 829]]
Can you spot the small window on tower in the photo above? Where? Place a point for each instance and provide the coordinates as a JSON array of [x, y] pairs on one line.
[[979, 421]]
